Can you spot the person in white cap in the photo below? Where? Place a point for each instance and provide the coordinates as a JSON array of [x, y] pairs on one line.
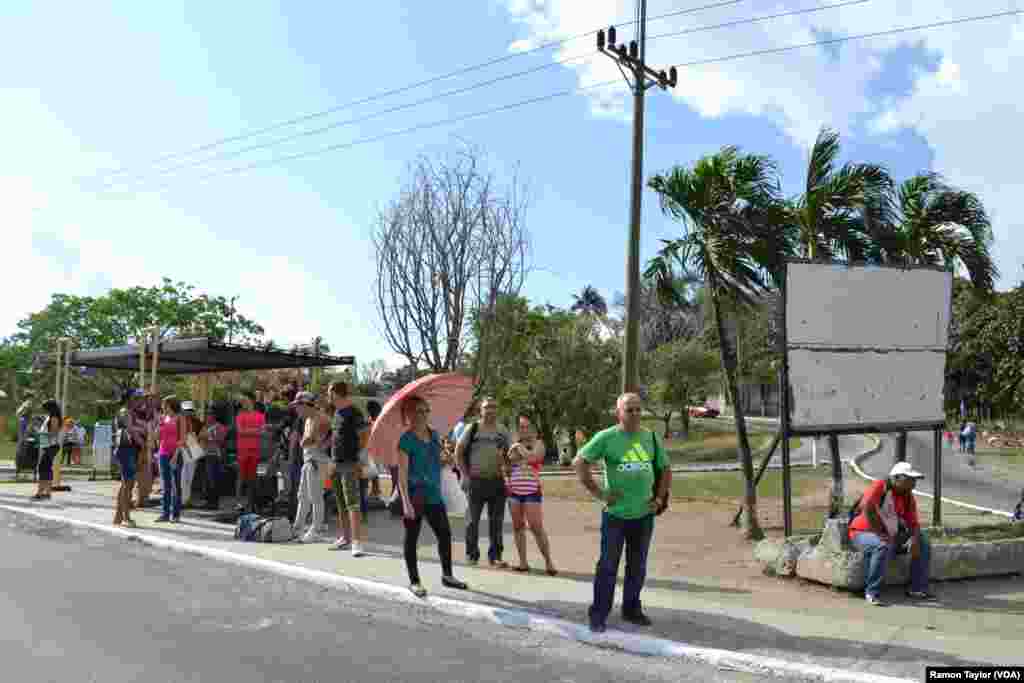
[[887, 524]]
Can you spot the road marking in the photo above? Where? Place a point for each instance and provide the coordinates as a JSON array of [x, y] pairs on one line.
[[628, 642], [855, 464]]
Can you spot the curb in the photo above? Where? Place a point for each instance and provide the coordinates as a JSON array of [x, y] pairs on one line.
[[855, 464], [619, 640]]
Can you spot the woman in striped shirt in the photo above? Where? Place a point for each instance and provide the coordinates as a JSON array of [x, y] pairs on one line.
[[526, 457]]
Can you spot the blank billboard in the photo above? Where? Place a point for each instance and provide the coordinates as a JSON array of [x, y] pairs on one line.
[[866, 345]]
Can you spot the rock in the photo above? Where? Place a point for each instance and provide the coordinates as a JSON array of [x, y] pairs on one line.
[[779, 557]]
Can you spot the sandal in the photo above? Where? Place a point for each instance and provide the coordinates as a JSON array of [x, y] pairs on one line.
[[499, 564], [523, 569], [418, 590], [452, 582], [552, 572]]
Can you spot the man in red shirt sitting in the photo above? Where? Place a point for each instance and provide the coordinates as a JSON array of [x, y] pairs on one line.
[[888, 524]]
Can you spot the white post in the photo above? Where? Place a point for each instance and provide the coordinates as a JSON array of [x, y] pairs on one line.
[[814, 452], [156, 356]]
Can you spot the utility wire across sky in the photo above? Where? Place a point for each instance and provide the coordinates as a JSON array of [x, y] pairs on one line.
[[274, 161], [235, 153], [396, 91]]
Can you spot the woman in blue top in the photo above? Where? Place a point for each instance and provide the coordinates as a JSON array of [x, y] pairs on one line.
[[419, 481]]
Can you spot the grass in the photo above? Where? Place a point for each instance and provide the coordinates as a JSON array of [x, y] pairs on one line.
[[709, 486], [705, 446], [8, 449]]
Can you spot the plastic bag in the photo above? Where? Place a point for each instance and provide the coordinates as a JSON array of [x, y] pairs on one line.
[[454, 498]]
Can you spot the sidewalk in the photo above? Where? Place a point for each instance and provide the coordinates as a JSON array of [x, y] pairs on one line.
[[977, 622]]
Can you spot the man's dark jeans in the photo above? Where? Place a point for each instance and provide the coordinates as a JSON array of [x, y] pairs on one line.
[[635, 534], [489, 492]]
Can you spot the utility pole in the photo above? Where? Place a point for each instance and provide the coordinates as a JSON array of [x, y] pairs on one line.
[[631, 59]]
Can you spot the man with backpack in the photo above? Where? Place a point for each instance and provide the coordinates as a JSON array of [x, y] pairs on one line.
[[885, 523], [481, 456]]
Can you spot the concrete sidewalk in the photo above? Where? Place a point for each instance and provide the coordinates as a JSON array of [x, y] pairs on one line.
[[978, 622]]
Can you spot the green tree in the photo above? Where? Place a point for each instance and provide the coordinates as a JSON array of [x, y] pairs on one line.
[[933, 223], [117, 318], [830, 213], [735, 237], [589, 302], [684, 373]]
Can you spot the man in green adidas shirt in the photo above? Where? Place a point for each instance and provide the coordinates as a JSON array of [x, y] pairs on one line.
[[630, 455]]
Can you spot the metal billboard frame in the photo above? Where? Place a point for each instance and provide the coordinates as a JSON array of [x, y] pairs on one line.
[[786, 430]]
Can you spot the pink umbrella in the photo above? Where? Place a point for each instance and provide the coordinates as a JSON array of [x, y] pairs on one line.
[[448, 394]]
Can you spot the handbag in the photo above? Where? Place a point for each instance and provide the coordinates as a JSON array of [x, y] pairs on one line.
[[192, 450]]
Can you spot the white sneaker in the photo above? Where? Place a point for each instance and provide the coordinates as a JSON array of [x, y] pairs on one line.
[[311, 536], [357, 550], [340, 544]]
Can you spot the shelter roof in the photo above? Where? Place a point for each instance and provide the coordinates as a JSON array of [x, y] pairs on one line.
[[199, 355]]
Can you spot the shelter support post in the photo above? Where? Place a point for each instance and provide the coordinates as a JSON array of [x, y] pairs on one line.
[[901, 447], [760, 472], [937, 486], [838, 494]]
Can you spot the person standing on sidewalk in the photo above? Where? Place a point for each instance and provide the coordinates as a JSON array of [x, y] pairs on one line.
[[629, 454], [188, 464], [131, 436], [249, 425], [888, 524], [170, 435], [314, 459], [216, 438], [526, 458], [481, 454], [49, 445], [345, 430], [419, 481]]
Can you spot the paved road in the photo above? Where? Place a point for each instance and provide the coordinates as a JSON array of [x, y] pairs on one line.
[[977, 485], [83, 606]]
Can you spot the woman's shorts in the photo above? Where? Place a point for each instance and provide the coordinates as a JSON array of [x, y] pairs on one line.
[[528, 498], [247, 463], [127, 460], [46, 458]]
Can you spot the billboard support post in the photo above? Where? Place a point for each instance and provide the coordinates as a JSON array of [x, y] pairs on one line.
[[784, 419], [937, 485]]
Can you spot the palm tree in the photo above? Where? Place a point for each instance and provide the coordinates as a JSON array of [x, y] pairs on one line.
[[830, 212], [933, 223], [735, 238], [589, 302]]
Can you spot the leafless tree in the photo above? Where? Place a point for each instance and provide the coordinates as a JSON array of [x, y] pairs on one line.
[[450, 244]]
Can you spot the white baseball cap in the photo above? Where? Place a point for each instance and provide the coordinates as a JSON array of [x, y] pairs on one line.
[[905, 469], [187, 405]]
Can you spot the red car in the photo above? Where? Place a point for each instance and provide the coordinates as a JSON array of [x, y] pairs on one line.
[[703, 411]]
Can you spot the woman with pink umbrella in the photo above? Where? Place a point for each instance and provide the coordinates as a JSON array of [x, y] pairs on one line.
[[419, 481]]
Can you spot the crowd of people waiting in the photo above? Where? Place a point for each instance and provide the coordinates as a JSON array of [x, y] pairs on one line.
[[323, 448]]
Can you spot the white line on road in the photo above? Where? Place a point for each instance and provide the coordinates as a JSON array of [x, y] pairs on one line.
[[620, 640], [855, 464]]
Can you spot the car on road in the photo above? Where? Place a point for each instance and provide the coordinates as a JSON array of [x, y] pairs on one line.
[[703, 411]]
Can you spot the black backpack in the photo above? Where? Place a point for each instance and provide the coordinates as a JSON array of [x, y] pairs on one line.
[[855, 508], [473, 429]]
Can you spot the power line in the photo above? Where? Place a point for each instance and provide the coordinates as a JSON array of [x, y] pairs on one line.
[[573, 91], [395, 91], [459, 91]]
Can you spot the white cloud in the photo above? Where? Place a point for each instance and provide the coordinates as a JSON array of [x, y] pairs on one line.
[[967, 110]]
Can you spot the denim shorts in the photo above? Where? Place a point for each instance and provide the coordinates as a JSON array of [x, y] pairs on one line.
[[127, 460], [528, 498]]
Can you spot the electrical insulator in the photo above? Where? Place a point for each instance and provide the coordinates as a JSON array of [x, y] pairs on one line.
[[673, 76], [611, 37], [600, 39], [622, 51], [662, 78], [634, 50]]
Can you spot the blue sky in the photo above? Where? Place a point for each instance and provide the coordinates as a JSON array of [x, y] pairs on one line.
[[117, 84]]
